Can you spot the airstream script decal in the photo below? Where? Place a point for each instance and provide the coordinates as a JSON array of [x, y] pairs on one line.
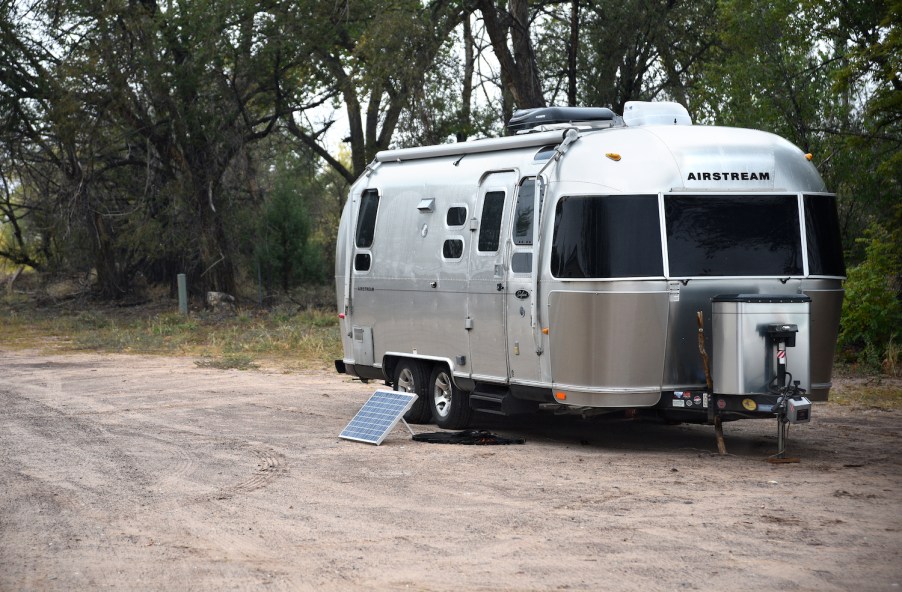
[[765, 176]]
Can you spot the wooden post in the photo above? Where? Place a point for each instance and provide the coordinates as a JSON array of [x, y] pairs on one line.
[[183, 293], [718, 423]]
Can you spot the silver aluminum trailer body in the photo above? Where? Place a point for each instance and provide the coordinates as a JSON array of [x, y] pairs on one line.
[[589, 300]]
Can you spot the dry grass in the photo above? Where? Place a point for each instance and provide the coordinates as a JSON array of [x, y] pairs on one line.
[[868, 392], [283, 336]]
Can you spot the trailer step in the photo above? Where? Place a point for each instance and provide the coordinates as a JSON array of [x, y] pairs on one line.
[[498, 401]]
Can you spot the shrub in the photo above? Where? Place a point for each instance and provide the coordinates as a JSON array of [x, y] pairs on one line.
[[872, 310]]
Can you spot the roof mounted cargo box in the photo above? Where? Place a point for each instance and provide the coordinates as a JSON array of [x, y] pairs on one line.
[[526, 119]]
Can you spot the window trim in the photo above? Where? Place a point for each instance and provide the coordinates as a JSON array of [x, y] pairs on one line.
[[463, 249], [466, 216], [802, 195], [799, 195], [516, 248], [803, 243], [357, 253], [546, 259], [481, 200], [363, 195]]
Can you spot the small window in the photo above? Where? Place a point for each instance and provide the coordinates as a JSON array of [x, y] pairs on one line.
[[490, 224], [453, 248], [521, 262], [366, 218], [362, 262], [457, 216], [544, 153], [524, 213]]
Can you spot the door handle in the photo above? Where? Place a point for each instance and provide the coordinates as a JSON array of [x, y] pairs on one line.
[[500, 287]]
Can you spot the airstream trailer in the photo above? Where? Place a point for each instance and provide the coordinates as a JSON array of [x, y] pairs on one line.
[[571, 266]]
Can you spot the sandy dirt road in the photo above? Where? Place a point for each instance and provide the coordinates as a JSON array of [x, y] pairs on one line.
[[149, 473]]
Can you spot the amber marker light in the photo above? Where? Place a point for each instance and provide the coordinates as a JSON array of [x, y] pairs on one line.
[[545, 331], [809, 156], [613, 156], [560, 396]]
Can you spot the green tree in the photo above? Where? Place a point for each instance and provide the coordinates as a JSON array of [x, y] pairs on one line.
[[284, 250], [824, 75], [375, 55], [140, 146]]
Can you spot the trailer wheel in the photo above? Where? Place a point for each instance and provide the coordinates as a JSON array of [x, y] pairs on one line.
[[450, 405], [412, 377]]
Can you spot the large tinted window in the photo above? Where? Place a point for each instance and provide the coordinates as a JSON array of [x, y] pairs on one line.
[[366, 218], [733, 235], [822, 229], [607, 237], [490, 224]]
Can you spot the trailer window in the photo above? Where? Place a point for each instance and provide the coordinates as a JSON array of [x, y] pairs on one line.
[[366, 218], [607, 237], [523, 215], [456, 216], [733, 235], [490, 224], [453, 248], [521, 262], [545, 152], [822, 230], [362, 262]]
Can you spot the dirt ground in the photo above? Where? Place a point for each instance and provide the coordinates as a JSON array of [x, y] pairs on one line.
[[150, 473]]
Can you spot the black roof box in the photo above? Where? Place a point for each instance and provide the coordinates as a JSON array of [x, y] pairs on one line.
[[525, 119]]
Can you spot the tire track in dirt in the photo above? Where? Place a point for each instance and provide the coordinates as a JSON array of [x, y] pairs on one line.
[[271, 465]]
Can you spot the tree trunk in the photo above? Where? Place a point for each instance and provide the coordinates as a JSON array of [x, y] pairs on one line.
[[111, 282], [572, 48], [519, 71], [218, 273], [466, 94]]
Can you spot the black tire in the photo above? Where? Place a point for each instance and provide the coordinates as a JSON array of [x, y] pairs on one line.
[[412, 376], [450, 405]]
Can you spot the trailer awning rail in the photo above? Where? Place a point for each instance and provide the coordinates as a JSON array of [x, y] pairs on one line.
[[474, 146]]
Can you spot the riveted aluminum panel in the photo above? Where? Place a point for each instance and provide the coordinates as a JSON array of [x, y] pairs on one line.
[[363, 345], [826, 307], [609, 345]]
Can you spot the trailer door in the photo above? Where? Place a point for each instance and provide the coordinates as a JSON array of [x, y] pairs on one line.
[[487, 286], [523, 359]]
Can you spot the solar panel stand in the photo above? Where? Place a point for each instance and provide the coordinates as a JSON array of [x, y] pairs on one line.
[[406, 425]]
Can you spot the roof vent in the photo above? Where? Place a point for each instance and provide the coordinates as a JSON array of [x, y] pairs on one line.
[[636, 113], [526, 119]]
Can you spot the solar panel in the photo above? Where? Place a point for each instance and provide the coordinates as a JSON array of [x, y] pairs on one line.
[[378, 416]]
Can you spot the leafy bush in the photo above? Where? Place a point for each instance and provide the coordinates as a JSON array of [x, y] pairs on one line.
[[872, 310]]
